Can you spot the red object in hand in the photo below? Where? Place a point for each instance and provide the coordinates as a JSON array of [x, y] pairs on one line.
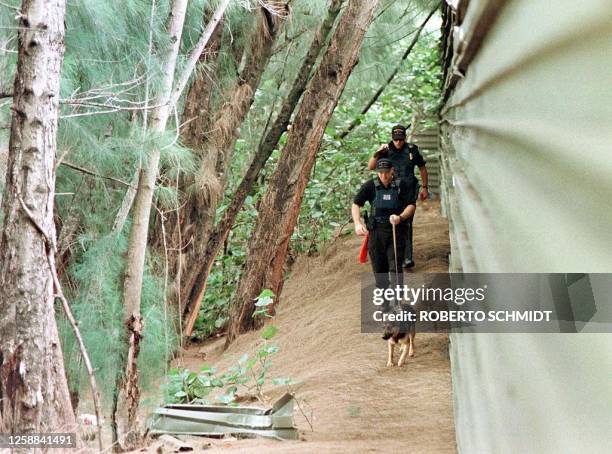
[[363, 253]]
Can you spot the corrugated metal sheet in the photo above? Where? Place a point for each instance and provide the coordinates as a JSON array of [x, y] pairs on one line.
[[527, 186], [428, 141], [530, 127], [216, 420]]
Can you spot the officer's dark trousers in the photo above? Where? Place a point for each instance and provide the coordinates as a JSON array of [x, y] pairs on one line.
[[382, 257], [408, 225], [408, 240]]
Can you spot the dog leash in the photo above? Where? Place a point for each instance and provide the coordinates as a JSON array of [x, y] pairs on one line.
[[395, 255]]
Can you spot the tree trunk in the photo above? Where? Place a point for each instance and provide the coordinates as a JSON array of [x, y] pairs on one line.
[[217, 149], [127, 395], [125, 426], [276, 217], [196, 118], [34, 395], [196, 114], [264, 150], [171, 97]]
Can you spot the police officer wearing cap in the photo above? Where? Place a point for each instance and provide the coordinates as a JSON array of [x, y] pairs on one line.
[[405, 157], [391, 204]]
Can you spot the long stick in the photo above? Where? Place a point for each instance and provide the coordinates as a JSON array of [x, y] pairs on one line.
[[77, 333], [93, 174], [395, 254], [197, 51]]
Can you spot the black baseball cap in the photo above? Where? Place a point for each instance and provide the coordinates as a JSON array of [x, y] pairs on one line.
[[398, 132], [383, 165]]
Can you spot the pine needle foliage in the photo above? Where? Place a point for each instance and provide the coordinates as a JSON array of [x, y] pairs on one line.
[[108, 64], [98, 307]]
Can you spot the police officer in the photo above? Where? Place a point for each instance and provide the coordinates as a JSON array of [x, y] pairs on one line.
[[392, 203], [404, 157]]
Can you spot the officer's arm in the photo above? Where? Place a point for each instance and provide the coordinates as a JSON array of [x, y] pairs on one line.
[[383, 150], [424, 190], [372, 163], [360, 229], [408, 212], [423, 172]]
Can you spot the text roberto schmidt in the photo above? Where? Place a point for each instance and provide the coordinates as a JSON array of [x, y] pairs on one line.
[[463, 316], [458, 296]]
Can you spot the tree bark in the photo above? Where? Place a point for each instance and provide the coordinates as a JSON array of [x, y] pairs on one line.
[[34, 394], [196, 114], [127, 395], [196, 118], [276, 218], [217, 145], [264, 150], [126, 398]]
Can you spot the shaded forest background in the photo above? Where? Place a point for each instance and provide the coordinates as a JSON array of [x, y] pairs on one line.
[[111, 74]]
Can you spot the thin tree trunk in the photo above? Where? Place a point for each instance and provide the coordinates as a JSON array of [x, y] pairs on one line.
[[196, 114], [124, 420], [173, 99], [196, 118], [264, 150], [196, 53], [130, 193], [34, 394], [127, 395], [295, 164], [380, 90], [217, 149]]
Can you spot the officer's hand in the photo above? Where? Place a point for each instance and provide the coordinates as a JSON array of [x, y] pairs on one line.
[[423, 194], [360, 229], [383, 150], [395, 219]]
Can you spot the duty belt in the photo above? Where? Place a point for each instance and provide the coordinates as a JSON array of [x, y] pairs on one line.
[[382, 220]]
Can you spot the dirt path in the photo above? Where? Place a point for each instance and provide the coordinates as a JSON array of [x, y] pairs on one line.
[[358, 404]]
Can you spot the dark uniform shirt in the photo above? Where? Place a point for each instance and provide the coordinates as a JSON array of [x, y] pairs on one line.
[[367, 193], [405, 160]]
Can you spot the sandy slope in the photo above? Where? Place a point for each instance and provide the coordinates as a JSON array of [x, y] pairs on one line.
[[357, 404]]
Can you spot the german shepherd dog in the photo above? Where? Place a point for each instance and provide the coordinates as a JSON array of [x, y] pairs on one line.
[[402, 332]]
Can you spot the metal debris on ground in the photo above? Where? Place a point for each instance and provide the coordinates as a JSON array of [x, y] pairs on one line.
[[218, 420]]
